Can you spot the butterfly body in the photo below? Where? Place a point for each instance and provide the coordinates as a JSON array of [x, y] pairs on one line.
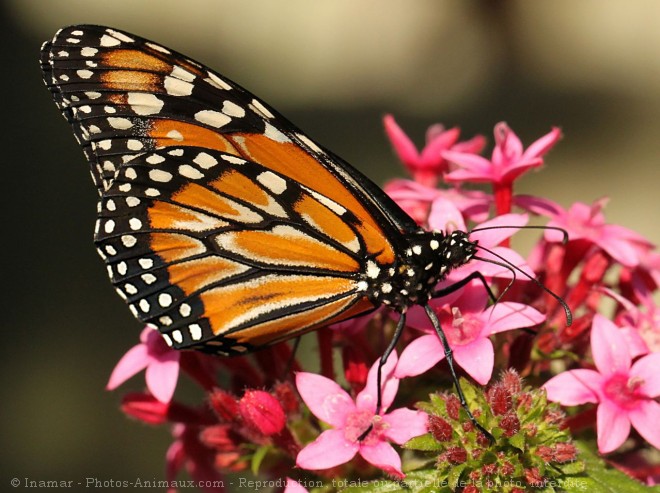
[[221, 223]]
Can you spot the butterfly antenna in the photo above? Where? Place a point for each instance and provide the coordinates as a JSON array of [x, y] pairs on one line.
[[450, 360], [512, 267]]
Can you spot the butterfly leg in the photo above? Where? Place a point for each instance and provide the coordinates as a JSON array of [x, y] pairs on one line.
[[459, 284], [450, 361]]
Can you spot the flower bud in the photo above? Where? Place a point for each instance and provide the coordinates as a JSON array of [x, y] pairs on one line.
[[262, 412]]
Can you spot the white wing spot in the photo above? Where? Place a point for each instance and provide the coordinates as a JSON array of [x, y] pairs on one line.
[[128, 241], [130, 173], [261, 109], [119, 123], [386, 288], [165, 320], [272, 182], [185, 310], [88, 51], [134, 144], [164, 299], [274, 134], [168, 340], [177, 336], [176, 152], [195, 332], [183, 74], [130, 289], [93, 94], [205, 160], [84, 74], [104, 144], [177, 87], [362, 286], [148, 278], [110, 205], [190, 172], [372, 269], [216, 81], [73, 40], [152, 192], [212, 118], [144, 104], [155, 159], [146, 263], [134, 223], [309, 143], [109, 226], [230, 108], [122, 268], [119, 35], [174, 135], [144, 305], [233, 159], [110, 109], [434, 244], [124, 187], [417, 250], [160, 175], [158, 48], [110, 250]]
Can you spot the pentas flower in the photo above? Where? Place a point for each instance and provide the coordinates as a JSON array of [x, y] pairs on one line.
[[468, 325], [587, 222], [356, 427], [426, 166], [507, 163], [160, 361], [420, 200], [624, 391]]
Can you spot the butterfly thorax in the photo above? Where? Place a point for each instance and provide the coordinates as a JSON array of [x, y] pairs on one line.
[[411, 280]]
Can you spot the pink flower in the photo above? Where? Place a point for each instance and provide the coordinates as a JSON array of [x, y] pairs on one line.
[[420, 200], [262, 412], [161, 363], [624, 391], [351, 419], [293, 486], [507, 162], [428, 165], [468, 326], [583, 221]]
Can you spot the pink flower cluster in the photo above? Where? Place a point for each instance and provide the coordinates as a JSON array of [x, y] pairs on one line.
[[262, 418]]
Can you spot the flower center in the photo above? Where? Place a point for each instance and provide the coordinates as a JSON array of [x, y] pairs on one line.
[[359, 422], [464, 328], [624, 391]]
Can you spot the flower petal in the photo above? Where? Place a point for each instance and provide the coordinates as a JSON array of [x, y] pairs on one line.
[[293, 486], [383, 456], [445, 216], [330, 449], [134, 361], [420, 355], [575, 387], [325, 398], [367, 398], [493, 237], [477, 359], [405, 424], [541, 146], [162, 376], [613, 427], [645, 419], [646, 369], [608, 346], [509, 315], [401, 143]]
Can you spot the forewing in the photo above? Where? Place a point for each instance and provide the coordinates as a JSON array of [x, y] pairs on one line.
[[225, 255]]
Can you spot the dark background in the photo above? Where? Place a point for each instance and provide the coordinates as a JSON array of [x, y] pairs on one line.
[[334, 68]]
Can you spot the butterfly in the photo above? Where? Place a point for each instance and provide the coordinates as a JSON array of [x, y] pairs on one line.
[[220, 223]]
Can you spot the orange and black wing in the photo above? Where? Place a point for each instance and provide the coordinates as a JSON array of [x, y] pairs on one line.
[[220, 222]]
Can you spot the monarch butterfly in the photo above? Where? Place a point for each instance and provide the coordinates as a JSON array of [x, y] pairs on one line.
[[220, 222]]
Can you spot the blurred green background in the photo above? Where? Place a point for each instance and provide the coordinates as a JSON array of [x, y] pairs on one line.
[[334, 68]]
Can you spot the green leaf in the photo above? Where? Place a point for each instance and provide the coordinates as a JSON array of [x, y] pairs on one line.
[[425, 443], [258, 457], [601, 478], [518, 441]]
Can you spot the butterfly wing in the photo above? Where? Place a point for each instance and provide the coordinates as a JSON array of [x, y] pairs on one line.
[[220, 222]]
